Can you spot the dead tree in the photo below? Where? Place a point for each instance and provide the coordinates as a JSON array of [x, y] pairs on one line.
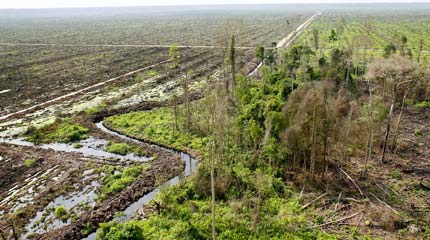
[[232, 60]]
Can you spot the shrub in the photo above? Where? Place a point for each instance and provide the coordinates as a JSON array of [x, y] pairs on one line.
[[63, 131], [115, 182], [119, 148], [116, 231], [77, 145], [124, 149], [423, 105], [395, 173], [61, 213], [418, 133], [30, 162]]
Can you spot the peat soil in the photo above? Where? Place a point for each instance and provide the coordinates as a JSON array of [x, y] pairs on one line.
[[165, 165], [391, 201]]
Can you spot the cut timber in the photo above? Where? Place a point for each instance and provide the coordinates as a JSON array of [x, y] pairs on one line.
[[316, 199], [352, 180], [385, 204], [336, 221]]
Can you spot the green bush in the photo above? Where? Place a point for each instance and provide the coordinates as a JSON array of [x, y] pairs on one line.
[[115, 182], [64, 131], [119, 148], [423, 105], [124, 149], [395, 173], [30, 162], [116, 231], [418, 133], [77, 145], [61, 213]]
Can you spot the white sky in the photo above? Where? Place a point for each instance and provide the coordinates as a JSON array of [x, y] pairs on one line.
[[112, 3]]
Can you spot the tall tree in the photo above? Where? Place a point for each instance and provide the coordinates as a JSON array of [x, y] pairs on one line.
[[403, 45], [389, 50], [232, 59], [174, 55], [316, 42], [420, 49], [259, 53]]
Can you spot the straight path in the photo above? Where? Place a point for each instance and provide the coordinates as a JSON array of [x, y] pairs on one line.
[[289, 39], [117, 45]]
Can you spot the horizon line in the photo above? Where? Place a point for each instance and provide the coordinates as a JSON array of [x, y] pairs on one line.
[[216, 4]]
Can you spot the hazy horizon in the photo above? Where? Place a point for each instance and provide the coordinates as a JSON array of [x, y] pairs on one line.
[[29, 4]]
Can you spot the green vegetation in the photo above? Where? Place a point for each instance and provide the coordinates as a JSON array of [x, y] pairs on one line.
[[118, 178], [77, 145], [115, 231], [30, 162], [152, 73], [423, 105], [62, 130], [96, 109], [61, 213], [395, 174], [156, 126], [418, 133], [296, 123], [124, 149]]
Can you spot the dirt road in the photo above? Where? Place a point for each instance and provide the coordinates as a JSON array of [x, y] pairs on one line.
[[289, 39]]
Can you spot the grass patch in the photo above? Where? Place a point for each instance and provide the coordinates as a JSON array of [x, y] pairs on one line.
[[77, 145], [152, 73], [157, 126], [423, 105], [117, 178], [124, 149], [30, 162], [96, 109], [63, 131], [395, 174]]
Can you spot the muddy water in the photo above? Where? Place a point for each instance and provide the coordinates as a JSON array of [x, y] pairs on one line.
[[45, 220], [91, 147], [190, 167]]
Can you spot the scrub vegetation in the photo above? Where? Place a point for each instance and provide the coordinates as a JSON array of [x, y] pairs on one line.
[[328, 139]]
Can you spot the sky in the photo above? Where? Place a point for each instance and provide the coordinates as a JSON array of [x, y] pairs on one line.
[[114, 3]]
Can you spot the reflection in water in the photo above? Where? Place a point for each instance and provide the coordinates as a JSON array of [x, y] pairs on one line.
[[91, 147], [190, 166]]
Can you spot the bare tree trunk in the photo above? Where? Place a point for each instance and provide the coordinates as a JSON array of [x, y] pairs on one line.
[[370, 131], [187, 102], [233, 65], [313, 133], [387, 134], [397, 125]]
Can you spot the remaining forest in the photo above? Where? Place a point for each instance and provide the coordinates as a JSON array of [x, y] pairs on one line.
[[226, 122]]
